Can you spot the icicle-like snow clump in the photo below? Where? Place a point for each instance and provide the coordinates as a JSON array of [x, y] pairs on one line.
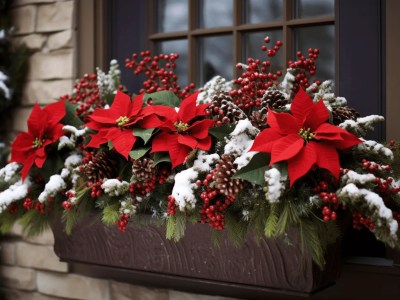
[[15, 192], [274, 187], [55, 185]]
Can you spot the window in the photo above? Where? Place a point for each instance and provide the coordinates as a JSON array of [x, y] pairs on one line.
[[212, 36]]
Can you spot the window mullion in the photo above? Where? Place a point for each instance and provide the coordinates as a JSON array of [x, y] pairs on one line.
[[237, 35], [192, 42], [287, 33]]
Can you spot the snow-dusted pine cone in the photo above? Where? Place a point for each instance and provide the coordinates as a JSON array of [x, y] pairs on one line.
[[222, 176], [101, 166], [224, 110], [259, 119], [274, 99], [143, 170], [343, 113]]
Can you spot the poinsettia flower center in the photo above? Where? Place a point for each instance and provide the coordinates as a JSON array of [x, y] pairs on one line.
[[37, 143], [121, 121], [306, 134], [181, 126]]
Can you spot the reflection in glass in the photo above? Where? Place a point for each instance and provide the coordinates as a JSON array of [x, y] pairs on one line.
[[252, 48], [215, 58], [172, 15], [312, 8], [180, 47], [260, 11], [216, 13], [323, 38]]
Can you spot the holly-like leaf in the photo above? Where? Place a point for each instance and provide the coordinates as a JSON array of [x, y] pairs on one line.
[[70, 117], [110, 145], [139, 152], [222, 131], [166, 98], [254, 171], [159, 157], [143, 133]]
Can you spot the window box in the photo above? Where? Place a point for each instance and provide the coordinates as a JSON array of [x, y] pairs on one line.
[[143, 255]]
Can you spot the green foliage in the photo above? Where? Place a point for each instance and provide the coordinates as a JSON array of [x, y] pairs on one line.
[[272, 221], [143, 133], [34, 223], [7, 221], [110, 214], [160, 157], [220, 132], [70, 117], [166, 98], [78, 212], [254, 171], [176, 226], [237, 229], [139, 152]]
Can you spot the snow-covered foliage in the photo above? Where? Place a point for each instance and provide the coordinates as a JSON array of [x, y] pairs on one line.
[[273, 185], [361, 126], [15, 192], [212, 88], [114, 187], [110, 81], [9, 171], [55, 185]]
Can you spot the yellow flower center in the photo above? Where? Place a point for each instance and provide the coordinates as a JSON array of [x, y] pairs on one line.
[[181, 127], [121, 121], [306, 134], [37, 143]]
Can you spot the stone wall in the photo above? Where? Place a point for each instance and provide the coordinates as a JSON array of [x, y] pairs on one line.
[[29, 268]]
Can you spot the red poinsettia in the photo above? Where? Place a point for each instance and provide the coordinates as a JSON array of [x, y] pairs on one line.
[[303, 138], [43, 129], [181, 132], [115, 123]]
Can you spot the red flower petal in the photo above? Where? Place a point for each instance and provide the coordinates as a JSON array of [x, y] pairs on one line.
[[136, 105], [23, 142], [201, 109], [105, 116], [122, 141], [327, 158], [160, 141], [28, 163], [283, 123], [161, 114], [187, 140], [121, 104], [286, 148], [199, 129], [187, 109], [37, 121], [204, 144], [97, 139], [265, 140], [301, 106], [318, 115], [177, 152], [56, 111], [300, 164], [349, 140]]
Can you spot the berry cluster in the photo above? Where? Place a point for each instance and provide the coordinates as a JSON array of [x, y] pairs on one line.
[[330, 201], [359, 221], [36, 205], [140, 189], [86, 96], [159, 77], [71, 200], [214, 207], [373, 166], [123, 221], [223, 110], [171, 205], [96, 188]]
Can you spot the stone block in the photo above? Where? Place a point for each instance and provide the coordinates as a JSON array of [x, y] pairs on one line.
[[18, 278], [176, 295], [7, 253], [55, 17], [38, 257], [23, 18], [46, 238], [45, 92], [59, 40], [72, 286], [53, 65], [125, 291], [19, 122], [32, 41], [25, 2]]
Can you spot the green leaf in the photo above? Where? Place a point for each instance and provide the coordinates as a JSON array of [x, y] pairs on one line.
[[176, 226], [254, 171], [222, 131], [166, 98], [110, 145], [70, 117], [144, 134], [272, 221], [110, 214], [159, 157], [139, 152]]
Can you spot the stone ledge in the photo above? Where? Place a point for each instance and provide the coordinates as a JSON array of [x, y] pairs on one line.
[[45, 92], [32, 41], [23, 19], [55, 16], [59, 40], [124, 291], [18, 278], [25, 2], [7, 253], [53, 65], [46, 238]]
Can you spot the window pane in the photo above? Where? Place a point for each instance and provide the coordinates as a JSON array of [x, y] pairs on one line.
[[252, 48], [215, 58], [180, 47], [216, 13], [312, 8], [323, 38], [172, 15], [260, 11]]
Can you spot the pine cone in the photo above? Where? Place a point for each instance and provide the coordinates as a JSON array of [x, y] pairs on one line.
[[259, 119], [143, 170], [100, 167], [222, 176], [343, 113], [225, 110], [274, 99]]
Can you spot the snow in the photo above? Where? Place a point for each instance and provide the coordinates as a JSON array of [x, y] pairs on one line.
[[287, 82], [15, 192], [2, 34], [375, 147], [212, 88], [184, 187], [3, 86], [108, 83], [55, 185], [9, 171], [114, 187], [374, 201], [361, 125], [65, 142], [73, 160], [273, 184], [354, 177], [240, 141], [75, 131]]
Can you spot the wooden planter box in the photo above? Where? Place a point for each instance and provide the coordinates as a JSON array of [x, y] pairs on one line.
[[143, 255]]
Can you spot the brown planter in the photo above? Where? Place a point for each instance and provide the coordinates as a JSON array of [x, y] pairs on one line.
[[145, 256]]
